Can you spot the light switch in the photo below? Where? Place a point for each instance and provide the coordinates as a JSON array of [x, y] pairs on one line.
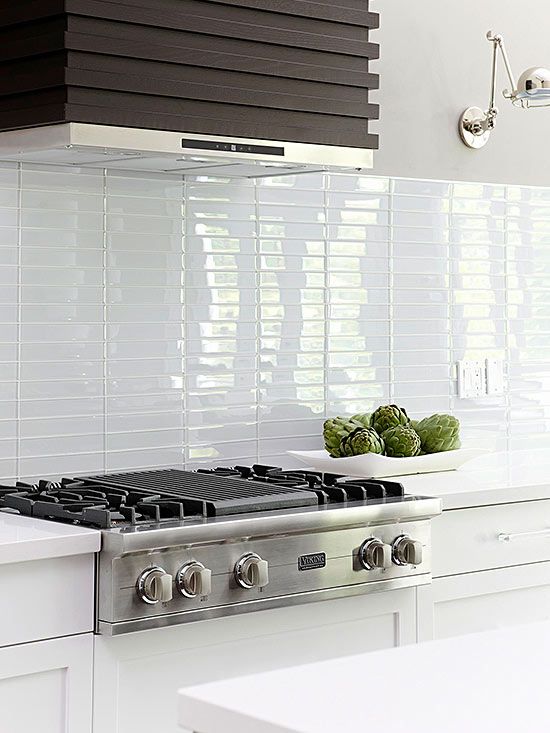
[[471, 379], [494, 369]]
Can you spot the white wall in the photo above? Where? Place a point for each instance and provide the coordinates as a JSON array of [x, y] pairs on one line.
[[435, 62]]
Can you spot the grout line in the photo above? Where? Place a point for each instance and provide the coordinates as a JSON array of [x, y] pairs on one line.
[[391, 343], [451, 300], [507, 336], [19, 320], [184, 355], [104, 324], [258, 309], [326, 296]]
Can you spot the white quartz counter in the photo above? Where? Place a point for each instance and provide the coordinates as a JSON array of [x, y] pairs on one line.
[[494, 682], [24, 538], [495, 478]]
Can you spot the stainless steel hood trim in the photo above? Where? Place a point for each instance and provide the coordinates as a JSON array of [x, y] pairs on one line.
[[113, 146], [172, 619]]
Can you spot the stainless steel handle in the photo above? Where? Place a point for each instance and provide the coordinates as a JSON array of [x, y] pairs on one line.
[[512, 536]]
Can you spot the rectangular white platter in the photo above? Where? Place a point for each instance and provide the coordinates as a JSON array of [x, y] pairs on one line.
[[372, 465]]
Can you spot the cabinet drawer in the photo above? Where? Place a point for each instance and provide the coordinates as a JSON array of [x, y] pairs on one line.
[[482, 538]]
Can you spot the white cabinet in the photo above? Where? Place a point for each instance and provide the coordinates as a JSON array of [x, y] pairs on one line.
[[151, 666], [46, 686], [491, 570], [493, 599], [43, 599]]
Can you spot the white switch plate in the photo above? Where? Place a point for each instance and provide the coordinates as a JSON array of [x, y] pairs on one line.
[[471, 379], [494, 369]]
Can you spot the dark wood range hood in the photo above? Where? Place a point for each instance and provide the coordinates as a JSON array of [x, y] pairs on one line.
[[282, 83]]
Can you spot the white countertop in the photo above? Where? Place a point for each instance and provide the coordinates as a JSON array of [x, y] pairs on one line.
[[495, 478], [24, 538], [494, 682]]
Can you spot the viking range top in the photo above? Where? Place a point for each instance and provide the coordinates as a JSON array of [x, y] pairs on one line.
[[182, 545]]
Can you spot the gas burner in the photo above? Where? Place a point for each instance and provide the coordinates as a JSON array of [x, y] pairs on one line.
[[82, 502]]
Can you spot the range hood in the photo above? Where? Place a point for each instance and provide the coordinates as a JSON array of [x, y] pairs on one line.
[[230, 88], [126, 148]]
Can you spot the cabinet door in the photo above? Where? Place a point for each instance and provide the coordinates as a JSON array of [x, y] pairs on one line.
[[46, 686], [153, 665], [494, 599]]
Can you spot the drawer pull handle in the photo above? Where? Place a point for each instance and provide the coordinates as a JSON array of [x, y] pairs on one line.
[[503, 537]]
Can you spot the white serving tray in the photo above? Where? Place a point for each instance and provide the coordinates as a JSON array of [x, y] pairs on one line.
[[372, 465]]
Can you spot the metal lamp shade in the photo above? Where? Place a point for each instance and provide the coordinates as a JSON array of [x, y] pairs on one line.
[[533, 88]]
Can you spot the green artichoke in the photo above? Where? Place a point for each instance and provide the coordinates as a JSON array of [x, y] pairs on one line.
[[335, 430], [388, 416], [401, 442], [362, 440], [439, 433], [364, 418]]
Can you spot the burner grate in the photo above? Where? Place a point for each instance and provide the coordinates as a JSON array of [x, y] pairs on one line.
[[165, 495], [216, 493]]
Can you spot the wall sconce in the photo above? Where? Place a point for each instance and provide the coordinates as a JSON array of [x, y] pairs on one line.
[[532, 90]]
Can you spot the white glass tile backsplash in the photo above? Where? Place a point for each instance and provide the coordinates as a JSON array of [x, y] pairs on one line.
[[150, 321]]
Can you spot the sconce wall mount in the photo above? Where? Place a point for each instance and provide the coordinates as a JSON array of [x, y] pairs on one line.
[[532, 90]]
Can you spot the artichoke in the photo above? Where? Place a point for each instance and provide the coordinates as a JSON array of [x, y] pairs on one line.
[[361, 440], [364, 418], [401, 442], [388, 416], [439, 433], [335, 430]]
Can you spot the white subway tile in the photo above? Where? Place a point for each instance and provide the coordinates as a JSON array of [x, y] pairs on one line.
[[439, 189], [62, 201], [75, 351], [140, 241], [144, 440], [52, 408], [61, 445], [358, 182], [189, 330], [61, 277], [61, 465], [51, 332], [309, 181], [51, 427], [61, 370], [51, 178], [58, 295], [169, 401], [145, 385]]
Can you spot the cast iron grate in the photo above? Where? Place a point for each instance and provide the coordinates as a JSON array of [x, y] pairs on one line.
[[216, 493]]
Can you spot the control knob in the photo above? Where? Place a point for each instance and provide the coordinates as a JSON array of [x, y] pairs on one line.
[[193, 579], [251, 571], [406, 551], [374, 553], [154, 584]]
